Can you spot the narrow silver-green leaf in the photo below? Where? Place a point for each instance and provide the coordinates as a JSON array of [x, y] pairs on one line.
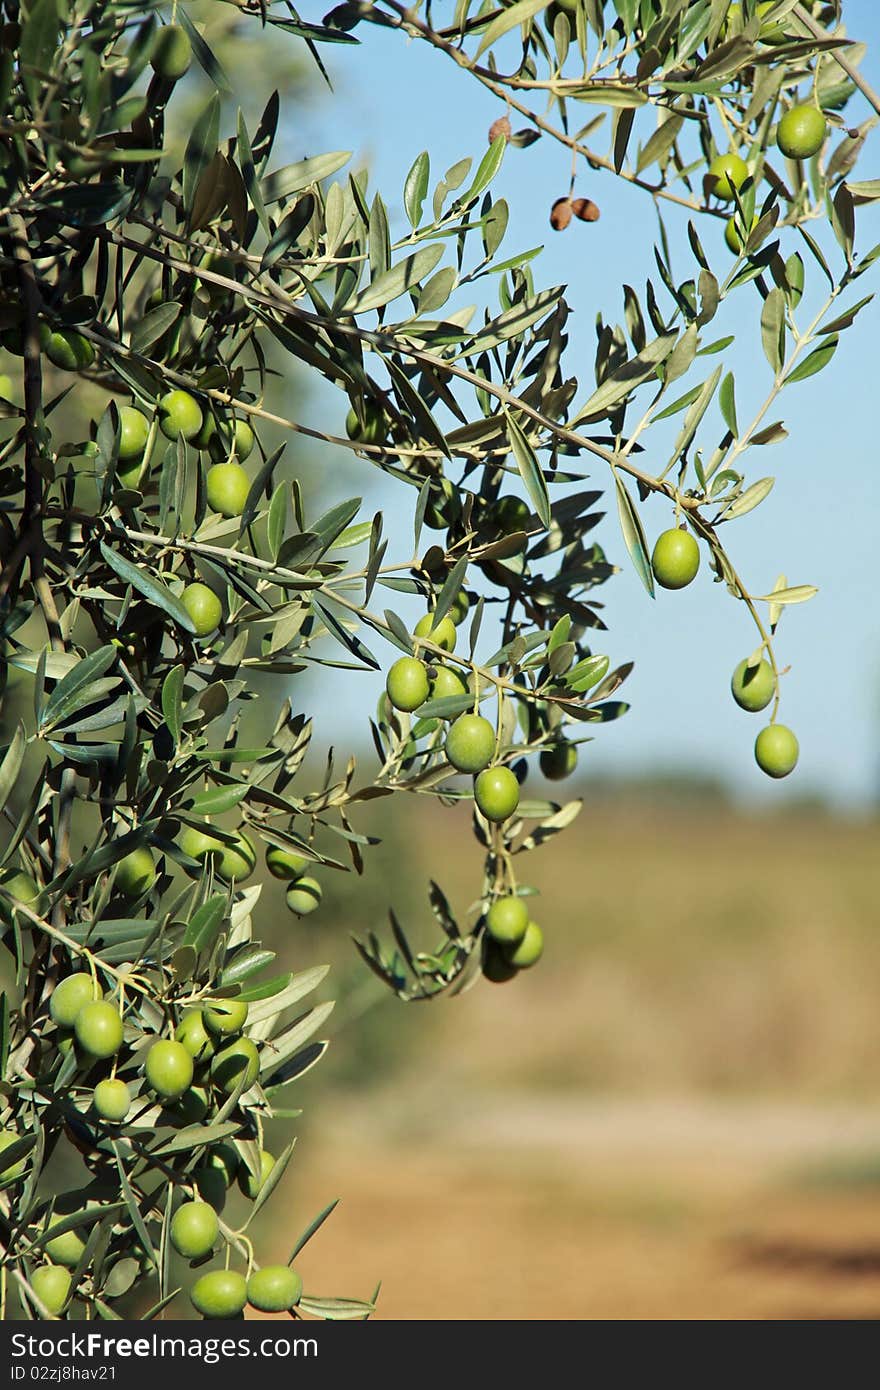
[[312, 1228], [337, 1309], [415, 189], [152, 589], [295, 177], [660, 143], [172, 700], [12, 763], [694, 415], [204, 55], [814, 362], [204, 925], [396, 281], [276, 1050], [249, 174], [301, 985], [727, 402], [201, 148], [272, 1181], [83, 675], [508, 19], [216, 800], [487, 168], [451, 588], [634, 534], [797, 593], [751, 498], [276, 523], [153, 325], [625, 379], [529, 469], [773, 329]]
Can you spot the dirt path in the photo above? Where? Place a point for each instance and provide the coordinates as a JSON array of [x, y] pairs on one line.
[[625, 1210]]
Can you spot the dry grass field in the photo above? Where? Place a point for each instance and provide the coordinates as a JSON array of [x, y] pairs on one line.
[[639, 1210]]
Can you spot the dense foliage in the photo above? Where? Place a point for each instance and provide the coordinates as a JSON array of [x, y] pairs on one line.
[[158, 559]]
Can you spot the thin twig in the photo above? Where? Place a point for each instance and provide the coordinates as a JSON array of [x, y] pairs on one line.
[[499, 87], [382, 342], [839, 57]]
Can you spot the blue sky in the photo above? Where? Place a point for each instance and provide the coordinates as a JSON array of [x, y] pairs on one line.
[[819, 526]]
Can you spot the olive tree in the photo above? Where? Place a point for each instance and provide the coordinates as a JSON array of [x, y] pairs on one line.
[[162, 572]]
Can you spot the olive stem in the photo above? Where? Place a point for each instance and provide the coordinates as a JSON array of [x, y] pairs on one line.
[[840, 58], [82, 951], [499, 87], [801, 341], [254, 562], [382, 342]]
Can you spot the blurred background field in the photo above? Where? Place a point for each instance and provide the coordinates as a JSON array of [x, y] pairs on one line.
[[674, 1116]]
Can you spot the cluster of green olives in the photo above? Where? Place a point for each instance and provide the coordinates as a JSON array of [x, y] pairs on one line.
[[470, 741], [227, 485], [208, 1051], [81, 1013], [83, 1016], [65, 348], [180, 416], [233, 861], [800, 134], [216, 1047], [753, 686], [304, 893], [223, 1293], [512, 941], [212, 1039], [675, 561], [236, 861]]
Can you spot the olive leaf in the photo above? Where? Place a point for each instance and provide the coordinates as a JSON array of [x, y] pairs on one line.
[[152, 589], [634, 534], [392, 283]]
